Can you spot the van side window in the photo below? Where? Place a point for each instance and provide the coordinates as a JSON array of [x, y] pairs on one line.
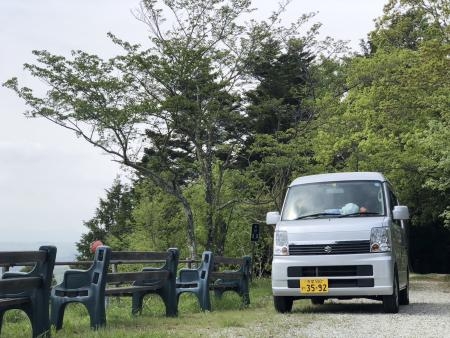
[[392, 200], [392, 203]]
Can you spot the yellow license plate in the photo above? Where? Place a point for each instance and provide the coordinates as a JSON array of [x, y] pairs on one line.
[[314, 285]]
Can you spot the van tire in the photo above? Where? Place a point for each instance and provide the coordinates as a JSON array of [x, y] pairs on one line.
[[404, 294], [283, 304], [391, 302]]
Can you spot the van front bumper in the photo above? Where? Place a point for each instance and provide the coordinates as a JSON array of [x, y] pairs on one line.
[[360, 281]]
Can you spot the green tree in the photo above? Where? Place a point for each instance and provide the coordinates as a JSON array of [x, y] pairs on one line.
[[408, 23], [394, 116], [158, 220], [277, 103], [295, 77], [112, 222], [172, 112], [168, 111]]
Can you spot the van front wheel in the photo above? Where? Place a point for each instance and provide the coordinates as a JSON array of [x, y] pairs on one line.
[[404, 294], [283, 304], [391, 303]]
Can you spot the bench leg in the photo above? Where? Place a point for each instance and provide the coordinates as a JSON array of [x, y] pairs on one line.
[[246, 299], [171, 306], [97, 313], [38, 316], [169, 296], [170, 301], [204, 298], [204, 302], [57, 313], [136, 303], [2, 312], [244, 292], [218, 293]]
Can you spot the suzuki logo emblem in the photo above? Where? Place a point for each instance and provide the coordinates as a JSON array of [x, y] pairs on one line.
[[328, 249]]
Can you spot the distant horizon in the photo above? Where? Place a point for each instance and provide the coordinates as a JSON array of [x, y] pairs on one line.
[[35, 241], [66, 250]]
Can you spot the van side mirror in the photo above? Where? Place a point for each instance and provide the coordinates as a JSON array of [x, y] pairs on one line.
[[272, 217], [400, 212]]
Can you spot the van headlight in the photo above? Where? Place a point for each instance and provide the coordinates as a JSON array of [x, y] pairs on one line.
[[380, 240], [281, 246]]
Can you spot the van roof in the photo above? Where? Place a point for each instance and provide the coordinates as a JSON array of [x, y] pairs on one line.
[[348, 176]]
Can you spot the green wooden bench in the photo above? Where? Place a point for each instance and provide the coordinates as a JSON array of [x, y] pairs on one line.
[[196, 281], [219, 274], [91, 286], [231, 274], [28, 291]]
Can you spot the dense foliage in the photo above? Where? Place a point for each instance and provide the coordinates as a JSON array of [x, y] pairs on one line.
[[216, 116]]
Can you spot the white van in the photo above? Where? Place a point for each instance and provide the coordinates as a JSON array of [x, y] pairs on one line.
[[340, 236]]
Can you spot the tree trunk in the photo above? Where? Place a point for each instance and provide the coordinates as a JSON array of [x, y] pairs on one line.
[[210, 201], [192, 242], [174, 190]]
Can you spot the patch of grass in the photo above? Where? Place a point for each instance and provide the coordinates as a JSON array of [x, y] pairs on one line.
[[228, 314], [16, 324], [15, 316], [232, 321]]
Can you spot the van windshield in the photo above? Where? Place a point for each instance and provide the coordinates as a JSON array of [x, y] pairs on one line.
[[334, 199]]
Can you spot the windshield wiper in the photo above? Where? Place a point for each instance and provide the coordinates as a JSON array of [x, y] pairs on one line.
[[360, 214], [317, 215]]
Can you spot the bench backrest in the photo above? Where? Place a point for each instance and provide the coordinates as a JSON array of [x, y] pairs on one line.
[[29, 291], [233, 266], [168, 261], [25, 282]]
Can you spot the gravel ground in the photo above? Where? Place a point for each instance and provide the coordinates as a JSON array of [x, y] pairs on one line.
[[428, 315]]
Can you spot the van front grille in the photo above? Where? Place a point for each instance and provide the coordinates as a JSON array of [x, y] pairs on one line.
[[330, 271], [338, 248]]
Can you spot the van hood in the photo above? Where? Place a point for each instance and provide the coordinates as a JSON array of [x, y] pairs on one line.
[[330, 230]]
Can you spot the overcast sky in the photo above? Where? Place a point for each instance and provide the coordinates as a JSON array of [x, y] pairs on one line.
[[50, 181]]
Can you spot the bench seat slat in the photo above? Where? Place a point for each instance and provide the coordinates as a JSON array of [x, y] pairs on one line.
[[220, 260], [226, 275], [120, 277], [11, 285], [13, 301], [137, 256], [233, 286], [129, 290], [130, 261]]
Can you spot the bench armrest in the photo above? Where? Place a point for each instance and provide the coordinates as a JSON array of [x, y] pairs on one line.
[[74, 279], [14, 275], [188, 275]]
